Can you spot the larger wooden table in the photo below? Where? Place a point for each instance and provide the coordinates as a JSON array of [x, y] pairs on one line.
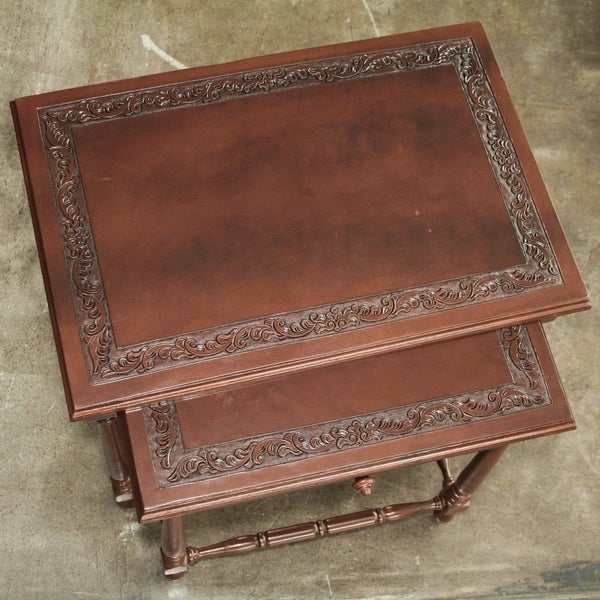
[[292, 269]]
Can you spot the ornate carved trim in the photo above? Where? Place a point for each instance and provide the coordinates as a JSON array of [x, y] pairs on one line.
[[166, 429], [526, 390], [107, 361]]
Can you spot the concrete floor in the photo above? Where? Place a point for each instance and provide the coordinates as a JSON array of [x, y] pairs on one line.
[[532, 532]]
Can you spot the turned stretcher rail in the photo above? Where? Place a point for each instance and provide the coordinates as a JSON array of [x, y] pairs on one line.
[[314, 529], [454, 496]]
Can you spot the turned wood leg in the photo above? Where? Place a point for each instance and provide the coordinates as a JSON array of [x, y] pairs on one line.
[[456, 496], [173, 548], [444, 466], [121, 483]]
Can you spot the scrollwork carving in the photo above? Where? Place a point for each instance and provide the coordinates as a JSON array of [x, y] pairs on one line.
[[107, 360], [526, 390], [164, 418]]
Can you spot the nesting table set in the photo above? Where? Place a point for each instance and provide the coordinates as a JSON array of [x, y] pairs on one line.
[[299, 269]]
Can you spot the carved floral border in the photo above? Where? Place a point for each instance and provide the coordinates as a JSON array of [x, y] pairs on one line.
[[174, 464], [107, 361]]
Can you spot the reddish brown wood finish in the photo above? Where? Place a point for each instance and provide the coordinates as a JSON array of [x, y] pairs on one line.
[[309, 531], [456, 496], [362, 228], [444, 466], [449, 501], [364, 485], [112, 446], [298, 269], [173, 549], [526, 403]]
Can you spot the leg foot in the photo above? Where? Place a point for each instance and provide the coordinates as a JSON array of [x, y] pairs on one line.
[[457, 495], [173, 550], [121, 483]]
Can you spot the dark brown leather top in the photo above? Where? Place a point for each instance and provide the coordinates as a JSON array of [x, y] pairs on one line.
[[219, 225]]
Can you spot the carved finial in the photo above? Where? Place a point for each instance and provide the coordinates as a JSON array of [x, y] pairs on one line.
[[364, 485]]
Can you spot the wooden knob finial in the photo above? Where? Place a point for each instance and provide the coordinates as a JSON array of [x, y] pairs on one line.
[[364, 485]]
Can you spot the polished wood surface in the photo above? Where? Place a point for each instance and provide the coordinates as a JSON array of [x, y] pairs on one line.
[[112, 444], [350, 198], [332, 393], [361, 440], [451, 499], [173, 548], [223, 225], [299, 269]]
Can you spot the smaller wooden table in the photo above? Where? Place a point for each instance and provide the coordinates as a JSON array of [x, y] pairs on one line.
[[478, 393]]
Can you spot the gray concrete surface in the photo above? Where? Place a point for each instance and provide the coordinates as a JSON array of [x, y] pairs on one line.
[[532, 532]]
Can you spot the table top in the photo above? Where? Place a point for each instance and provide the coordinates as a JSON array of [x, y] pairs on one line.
[[225, 224], [346, 420]]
